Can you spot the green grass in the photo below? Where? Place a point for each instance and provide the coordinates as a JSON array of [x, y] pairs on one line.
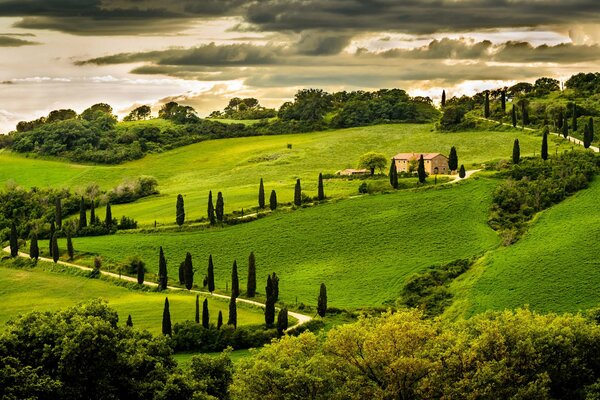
[[554, 267], [183, 359], [363, 248], [49, 287], [235, 166]]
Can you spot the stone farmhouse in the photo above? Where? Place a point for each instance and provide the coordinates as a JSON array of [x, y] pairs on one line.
[[435, 163]]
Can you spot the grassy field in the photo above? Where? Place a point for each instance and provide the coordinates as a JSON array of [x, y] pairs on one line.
[[554, 267], [235, 166], [363, 248], [51, 288]]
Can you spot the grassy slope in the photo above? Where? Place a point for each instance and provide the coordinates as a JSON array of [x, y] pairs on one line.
[[553, 268], [234, 166], [24, 290], [363, 248]]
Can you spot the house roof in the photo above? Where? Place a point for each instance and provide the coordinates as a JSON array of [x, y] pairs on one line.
[[410, 156]]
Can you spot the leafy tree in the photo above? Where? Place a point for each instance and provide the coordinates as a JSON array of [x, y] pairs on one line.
[[251, 286], [232, 312], [261, 194], [211, 209], [34, 250], [546, 85], [282, 321], [322, 301], [197, 315], [574, 116], [421, 170], [58, 213], [235, 282], [188, 272], [321, 191], [108, 219], [220, 209], [486, 105], [205, 315], [453, 118], [453, 159], [14, 241], [129, 322], [138, 114], [166, 321], [587, 140], [544, 152], [70, 249], [565, 127], [443, 98], [297, 194], [516, 154], [309, 105], [92, 213], [55, 251], [372, 161], [514, 116], [211, 275], [393, 174], [82, 214], [180, 211], [461, 172], [220, 320], [269, 303], [167, 110], [273, 201], [162, 270]]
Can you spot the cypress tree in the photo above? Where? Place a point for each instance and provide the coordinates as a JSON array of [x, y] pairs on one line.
[[162, 270], [235, 282], [421, 170], [58, 213], [205, 315], [321, 190], [273, 201], [166, 321], [55, 251], [180, 211], [565, 127], [486, 104], [282, 321], [261, 195], [251, 287], [269, 303], [211, 209], [591, 128], [52, 231], [141, 271], [82, 214], [545, 145], [70, 249], [461, 172], [524, 113], [574, 124], [275, 281], [182, 273], [393, 174], [108, 218], [514, 116], [34, 250], [232, 313], [188, 272], [559, 122], [129, 322], [503, 100], [443, 98], [516, 155], [220, 320], [197, 316], [93, 213], [211, 275], [220, 209], [298, 194], [322, 301], [14, 241], [586, 137], [453, 159]]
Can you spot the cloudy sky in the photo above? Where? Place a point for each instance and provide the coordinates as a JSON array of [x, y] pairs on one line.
[[74, 53]]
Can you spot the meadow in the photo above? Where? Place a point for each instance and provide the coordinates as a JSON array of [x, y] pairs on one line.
[[235, 166]]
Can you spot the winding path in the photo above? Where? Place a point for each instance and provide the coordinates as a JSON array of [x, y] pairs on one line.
[[301, 318]]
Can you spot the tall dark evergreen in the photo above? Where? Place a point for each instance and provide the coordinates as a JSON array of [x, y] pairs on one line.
[[166, 320], [188, 272], [70, 249], [282, 321], [82, 214], [140, 271], [574, 116], [34, 250], [298, 194], [514, 116], [261, 195], [235, 282], [486, 104], [273, 201], [322, 301], [197, 315], [14, 241], [321, 190], [93, 212], [58, 212], [220, 320], [591, 128], [586, 137], [453, 159], [269, 303], [205, 315], [503, 100], [211, 209], [55, 251], [180, 211], [220, 209], [560, 120], [275, 281], [565, 127], [443, 98], [162, 270], [516, 154], [461, 172], [129, 322], [52, 232], [251, 286], [524, 113], [393, 174], [421, 170], [544, 152], [211, 275], [108, 218], [232, 312], [182, 273]]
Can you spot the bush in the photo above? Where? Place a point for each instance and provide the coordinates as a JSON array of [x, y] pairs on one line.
[[188, 336], [132, 190], [127, 223]]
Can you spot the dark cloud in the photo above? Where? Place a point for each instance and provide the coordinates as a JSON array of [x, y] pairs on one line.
[[458, 49], [565, 53], [10, 41], [321, 43]]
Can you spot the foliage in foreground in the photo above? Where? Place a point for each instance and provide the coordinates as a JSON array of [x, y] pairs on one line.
[[513, 354]]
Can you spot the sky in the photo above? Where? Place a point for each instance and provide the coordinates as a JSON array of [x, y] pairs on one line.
[[74, 53]]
